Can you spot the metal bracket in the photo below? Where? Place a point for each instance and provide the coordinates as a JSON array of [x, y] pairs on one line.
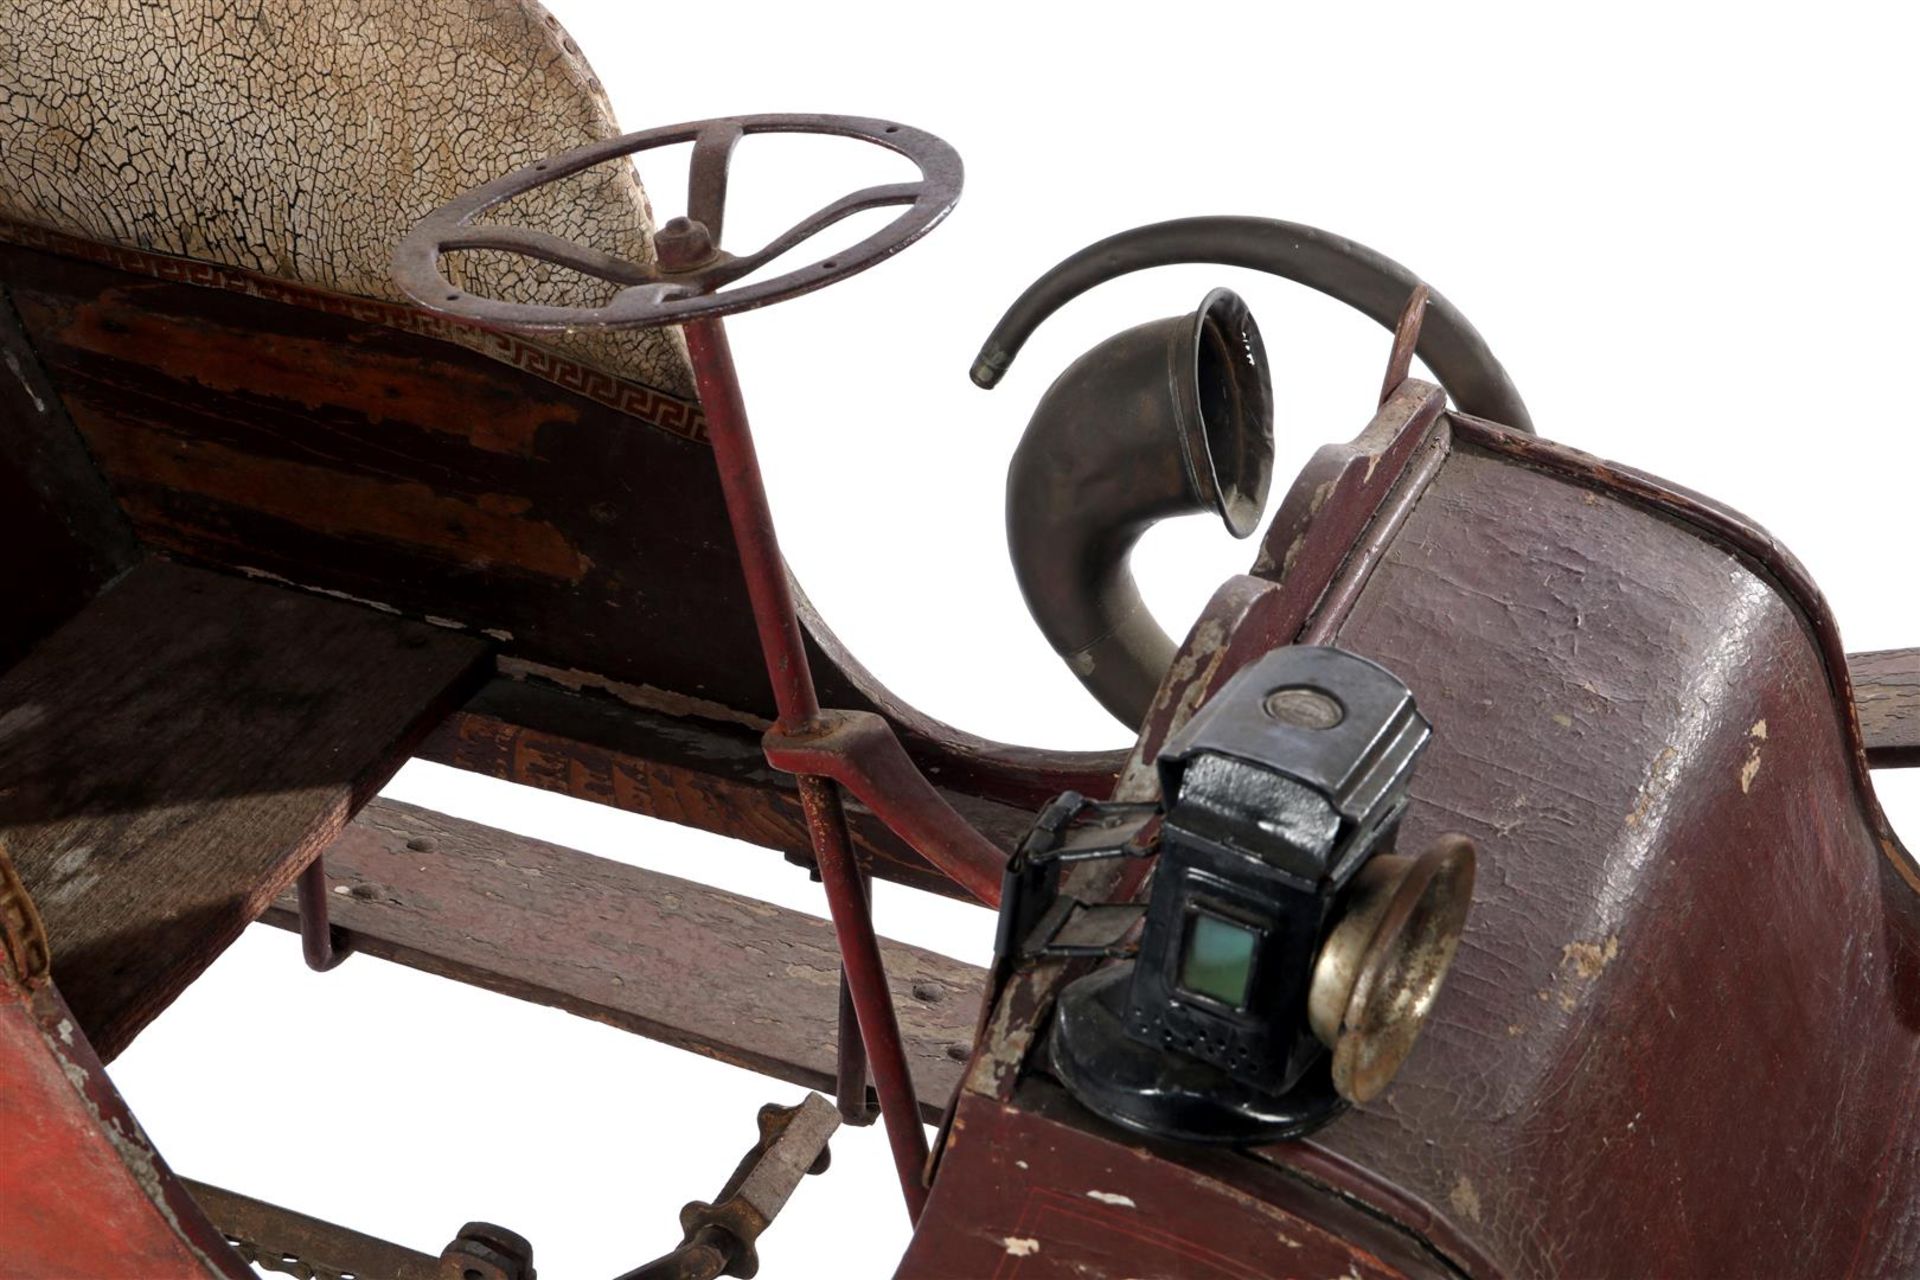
[[719, 1237], [308, 1248], [323, 945], [1076, 930], [1035, 920], [860, 751], [1406, 338]]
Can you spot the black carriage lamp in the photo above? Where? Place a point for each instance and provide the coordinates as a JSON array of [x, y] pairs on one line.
[[1287, 960]]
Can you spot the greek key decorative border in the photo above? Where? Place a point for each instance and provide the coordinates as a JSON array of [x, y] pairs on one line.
[[656, 408]]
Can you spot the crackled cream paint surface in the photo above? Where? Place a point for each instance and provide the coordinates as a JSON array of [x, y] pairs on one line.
[[303, 138]]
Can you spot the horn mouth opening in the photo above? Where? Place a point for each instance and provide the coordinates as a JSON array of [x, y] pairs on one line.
[[1229, 435]]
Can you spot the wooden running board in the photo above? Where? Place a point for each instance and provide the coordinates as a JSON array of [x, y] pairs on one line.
[[726, 976], [1886, 689]]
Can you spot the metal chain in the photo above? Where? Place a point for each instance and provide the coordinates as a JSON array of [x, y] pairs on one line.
[[21, 930]]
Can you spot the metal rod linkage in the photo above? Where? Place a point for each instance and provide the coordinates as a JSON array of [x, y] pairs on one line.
[[778, 625], [850, 1075]]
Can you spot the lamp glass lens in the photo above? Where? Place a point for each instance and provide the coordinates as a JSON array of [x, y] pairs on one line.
[[1218, 962]]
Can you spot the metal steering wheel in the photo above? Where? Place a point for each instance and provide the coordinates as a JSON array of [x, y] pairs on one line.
[[690, 280]]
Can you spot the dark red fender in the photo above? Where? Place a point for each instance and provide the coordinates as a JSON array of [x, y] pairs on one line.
[[81, 1191], [1681, 1035], [1048, 1204]]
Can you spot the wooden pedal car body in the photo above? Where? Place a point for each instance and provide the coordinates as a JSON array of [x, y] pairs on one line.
[[274, 529]]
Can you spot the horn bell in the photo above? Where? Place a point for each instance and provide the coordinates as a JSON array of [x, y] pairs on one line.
[[1172, 417]]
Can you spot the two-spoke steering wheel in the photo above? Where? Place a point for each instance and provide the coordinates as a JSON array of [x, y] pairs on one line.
[[692, 277]]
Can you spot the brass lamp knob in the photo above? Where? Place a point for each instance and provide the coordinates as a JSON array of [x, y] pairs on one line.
[[1382, 964]]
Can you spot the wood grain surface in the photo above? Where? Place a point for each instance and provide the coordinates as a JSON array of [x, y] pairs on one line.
[[727, 976], [1886, 689], [173, 756], [63, 534], [339, 448], [82, 1193]]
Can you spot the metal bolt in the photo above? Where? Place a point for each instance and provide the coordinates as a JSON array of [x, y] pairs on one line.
[[1305, 708], [683, 244], [483, 1251]]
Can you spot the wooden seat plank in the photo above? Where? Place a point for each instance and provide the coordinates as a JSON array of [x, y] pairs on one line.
[[730, 977], [172, 756]]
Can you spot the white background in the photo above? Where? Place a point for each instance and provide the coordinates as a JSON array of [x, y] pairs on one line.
[[1689, 238]]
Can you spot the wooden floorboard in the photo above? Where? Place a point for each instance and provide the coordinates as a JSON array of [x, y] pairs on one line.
[[1886, 688], [172, 756], [730, 977]]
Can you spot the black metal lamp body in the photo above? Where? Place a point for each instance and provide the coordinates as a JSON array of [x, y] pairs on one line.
[[1275, 795]]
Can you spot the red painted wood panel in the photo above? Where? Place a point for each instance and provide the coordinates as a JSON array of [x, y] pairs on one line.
[[82, 1195]]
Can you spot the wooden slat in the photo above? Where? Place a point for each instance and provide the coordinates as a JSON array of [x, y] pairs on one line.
[[1886, 689], [688, 769], [729, 977], [172, 757]]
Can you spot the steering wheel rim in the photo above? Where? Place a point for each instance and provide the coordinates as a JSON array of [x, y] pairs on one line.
[[692, 283]]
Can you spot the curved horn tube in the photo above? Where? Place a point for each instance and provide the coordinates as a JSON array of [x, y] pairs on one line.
[[1369, 282], [1172, 417]]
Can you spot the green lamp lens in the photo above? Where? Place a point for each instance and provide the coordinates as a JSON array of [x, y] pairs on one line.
[[1218, 962]]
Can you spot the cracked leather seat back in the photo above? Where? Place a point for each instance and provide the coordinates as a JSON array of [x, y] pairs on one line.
[[302, 138]]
